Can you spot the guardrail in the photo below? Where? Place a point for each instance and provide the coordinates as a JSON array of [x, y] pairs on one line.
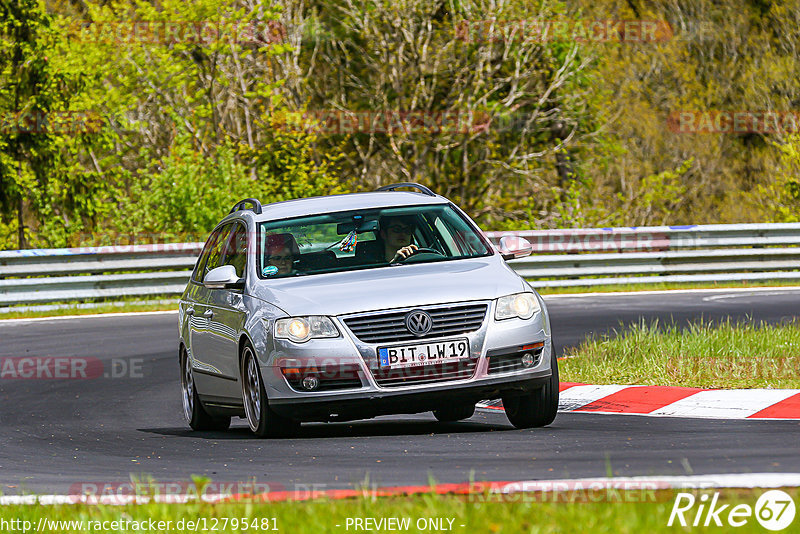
[[659, 254], [561, 258], [51, 275]]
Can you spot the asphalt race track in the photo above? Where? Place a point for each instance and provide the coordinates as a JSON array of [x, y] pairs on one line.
[[56, 433]]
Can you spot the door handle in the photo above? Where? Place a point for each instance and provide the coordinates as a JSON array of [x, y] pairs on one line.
[[208, 314], [189, 311]]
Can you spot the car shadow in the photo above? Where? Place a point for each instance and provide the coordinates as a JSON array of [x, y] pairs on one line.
[[362, 428]]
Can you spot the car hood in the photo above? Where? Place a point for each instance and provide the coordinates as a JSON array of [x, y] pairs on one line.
[[391, 287]]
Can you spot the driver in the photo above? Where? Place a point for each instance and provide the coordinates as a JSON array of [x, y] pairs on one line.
[[396, 233]]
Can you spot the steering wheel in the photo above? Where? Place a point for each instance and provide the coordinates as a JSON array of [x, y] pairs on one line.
[[421, 250]]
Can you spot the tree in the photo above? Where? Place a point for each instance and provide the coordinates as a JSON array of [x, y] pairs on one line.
[[403, 66], [29, 91], [193, 97]]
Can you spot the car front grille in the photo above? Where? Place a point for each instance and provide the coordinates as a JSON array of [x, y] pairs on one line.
[[390, 327]]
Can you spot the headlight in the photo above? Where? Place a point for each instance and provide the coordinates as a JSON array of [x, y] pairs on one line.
[[522, 305], [301, 329]]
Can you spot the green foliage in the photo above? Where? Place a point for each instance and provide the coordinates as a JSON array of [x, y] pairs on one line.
[[560, 132], [436, 58], [189, 195], [194, 191], [656, 195], [184, 121], [780, 196], [34, 92], [730, 56]]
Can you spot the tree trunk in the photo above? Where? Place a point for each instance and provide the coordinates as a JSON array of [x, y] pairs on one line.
[[20, 206]]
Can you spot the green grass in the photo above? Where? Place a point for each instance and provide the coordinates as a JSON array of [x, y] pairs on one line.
[[725, 355], [637, 512], [662, 287]]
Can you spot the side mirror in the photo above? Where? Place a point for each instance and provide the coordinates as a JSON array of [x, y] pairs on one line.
[[512, 247], [223, 278]]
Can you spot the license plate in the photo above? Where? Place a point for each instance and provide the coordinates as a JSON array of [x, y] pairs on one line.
[[420, 354]]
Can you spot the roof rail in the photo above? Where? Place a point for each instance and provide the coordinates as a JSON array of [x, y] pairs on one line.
[[422, 188], [256, 206]]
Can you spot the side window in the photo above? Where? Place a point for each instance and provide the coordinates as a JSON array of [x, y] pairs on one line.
[[466, 241], [199, 271], [446, 236], [234, 252], [215, 253]]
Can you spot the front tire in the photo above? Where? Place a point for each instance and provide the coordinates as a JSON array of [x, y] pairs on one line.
[[454, 413], [193, 410], [537, 408], [262, 420]]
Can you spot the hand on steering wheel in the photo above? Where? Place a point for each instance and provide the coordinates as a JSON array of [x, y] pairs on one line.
[[406, 252]]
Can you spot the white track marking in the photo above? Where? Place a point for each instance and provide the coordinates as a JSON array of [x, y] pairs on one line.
[[670, 292], [4, 322], [726, 403], [707, 404], [578, 396], [746, 294]]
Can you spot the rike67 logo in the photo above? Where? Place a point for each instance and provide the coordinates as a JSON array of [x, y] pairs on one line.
[[774, 510]]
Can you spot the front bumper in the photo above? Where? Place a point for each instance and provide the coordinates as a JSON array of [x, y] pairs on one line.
[[371, 398], [363, 406]]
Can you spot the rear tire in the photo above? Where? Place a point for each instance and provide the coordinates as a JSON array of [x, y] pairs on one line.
[[262, 420], [455, 412], [197, 417], [537, 408]]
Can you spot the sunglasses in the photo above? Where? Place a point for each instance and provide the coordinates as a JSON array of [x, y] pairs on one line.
[[280, 258], [398, 229]]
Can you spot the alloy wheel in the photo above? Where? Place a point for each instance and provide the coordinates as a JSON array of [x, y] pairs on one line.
[[252, 390], [187, 386]]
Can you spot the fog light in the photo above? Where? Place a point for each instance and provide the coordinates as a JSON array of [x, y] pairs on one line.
[[528, 360], [310, 383]]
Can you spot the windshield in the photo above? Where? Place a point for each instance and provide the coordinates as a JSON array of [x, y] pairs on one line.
[[365, 239]]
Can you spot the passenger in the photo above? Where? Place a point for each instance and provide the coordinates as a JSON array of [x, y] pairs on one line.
[[395, 234], [280, 251]]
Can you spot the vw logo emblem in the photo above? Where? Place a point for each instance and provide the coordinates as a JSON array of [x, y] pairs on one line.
[[418, 322]]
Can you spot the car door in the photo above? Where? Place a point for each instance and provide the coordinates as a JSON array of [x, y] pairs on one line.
[[226, 313], [206, 376], [193, 306]]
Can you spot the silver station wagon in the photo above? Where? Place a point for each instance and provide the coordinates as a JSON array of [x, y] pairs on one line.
[[353, 306]]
